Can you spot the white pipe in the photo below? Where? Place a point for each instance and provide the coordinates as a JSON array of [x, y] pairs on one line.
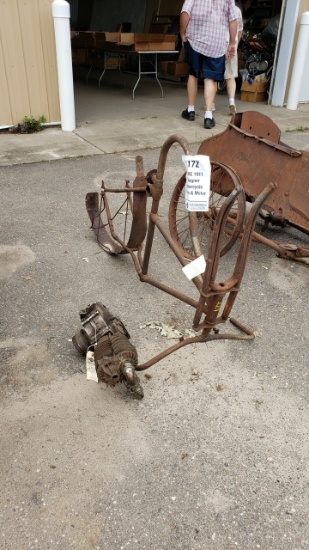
[[51, 124], [44, 125], [61, 15], [299, 62]]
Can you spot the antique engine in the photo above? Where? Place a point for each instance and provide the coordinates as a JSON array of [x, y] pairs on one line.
[[114, 356]]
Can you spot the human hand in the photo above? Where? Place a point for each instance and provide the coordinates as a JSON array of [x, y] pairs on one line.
[[231, 50]]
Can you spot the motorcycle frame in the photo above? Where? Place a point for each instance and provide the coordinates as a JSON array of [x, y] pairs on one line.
[[214, 296]]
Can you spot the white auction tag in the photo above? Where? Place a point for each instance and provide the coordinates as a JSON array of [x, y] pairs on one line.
[[90, 367], [195, 268], [197, 182]]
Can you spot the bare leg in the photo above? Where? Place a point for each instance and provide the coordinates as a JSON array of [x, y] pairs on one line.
[[231, 88], [192, 89], [210, 90]]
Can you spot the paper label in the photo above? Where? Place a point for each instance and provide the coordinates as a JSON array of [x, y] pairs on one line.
[[194, 268], [90, 367], [197, 189]]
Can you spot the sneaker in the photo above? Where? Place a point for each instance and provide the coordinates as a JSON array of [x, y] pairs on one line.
[[232, 110], [209, 123], [188, 115]]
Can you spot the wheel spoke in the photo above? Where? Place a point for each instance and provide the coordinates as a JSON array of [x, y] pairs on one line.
[[223, 182]]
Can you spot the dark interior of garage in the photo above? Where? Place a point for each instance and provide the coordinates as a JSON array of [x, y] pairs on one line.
[[156, 15], [90, 19]]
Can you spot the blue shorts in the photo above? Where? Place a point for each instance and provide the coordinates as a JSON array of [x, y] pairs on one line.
[[209, 67]]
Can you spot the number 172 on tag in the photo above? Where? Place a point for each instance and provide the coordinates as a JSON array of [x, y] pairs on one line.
[[197, 188]]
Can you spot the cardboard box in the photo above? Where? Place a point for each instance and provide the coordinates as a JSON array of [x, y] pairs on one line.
[[80, 57], [163, 46], [174, 68], [106, 39], [83, 39], [147, 41], [89, 39], [128, 41], [161, 42], [264, 22], [257, 91], [162, 66], [97, 61], [178, 68]]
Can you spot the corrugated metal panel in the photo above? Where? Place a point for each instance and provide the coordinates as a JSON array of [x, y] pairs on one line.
[[31, 38], [5, 106], [50, 59], [29, 61], [14, 59]]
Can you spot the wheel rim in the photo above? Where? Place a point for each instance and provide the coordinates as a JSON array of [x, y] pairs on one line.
[[223, 182]]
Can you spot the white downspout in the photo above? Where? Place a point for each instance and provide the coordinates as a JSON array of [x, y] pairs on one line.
[[299, 62], [61, 15]]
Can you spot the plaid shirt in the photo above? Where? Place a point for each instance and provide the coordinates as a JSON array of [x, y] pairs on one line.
[[208, 25]]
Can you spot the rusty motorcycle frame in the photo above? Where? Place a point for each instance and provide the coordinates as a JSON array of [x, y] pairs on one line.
[[215, 297]]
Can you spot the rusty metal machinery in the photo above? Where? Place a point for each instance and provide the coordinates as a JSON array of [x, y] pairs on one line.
[[258, 168], [251, 146], [226, 221], [114, 355]]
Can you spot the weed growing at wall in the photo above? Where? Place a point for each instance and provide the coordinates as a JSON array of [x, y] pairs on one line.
[[30, 125]]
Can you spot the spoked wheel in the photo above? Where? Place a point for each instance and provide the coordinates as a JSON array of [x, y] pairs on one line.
[[223, 181]]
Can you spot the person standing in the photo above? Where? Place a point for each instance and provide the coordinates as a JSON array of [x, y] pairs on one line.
[[231, 67], [203, 28]]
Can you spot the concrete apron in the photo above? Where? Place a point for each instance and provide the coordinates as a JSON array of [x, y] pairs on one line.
[[108, 121]]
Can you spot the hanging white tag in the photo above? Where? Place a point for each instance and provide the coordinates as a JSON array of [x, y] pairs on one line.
[[90, 367], [194, 268], [197, 189]]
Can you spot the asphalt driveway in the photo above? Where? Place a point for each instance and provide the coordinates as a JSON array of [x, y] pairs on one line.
[[214, 457]]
